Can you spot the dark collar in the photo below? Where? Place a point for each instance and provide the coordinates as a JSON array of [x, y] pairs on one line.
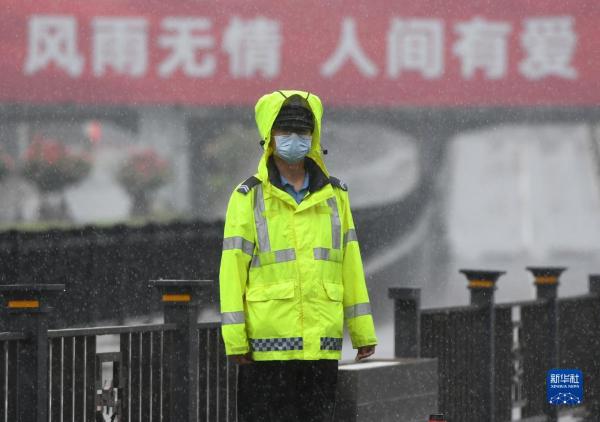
[[316, 177]]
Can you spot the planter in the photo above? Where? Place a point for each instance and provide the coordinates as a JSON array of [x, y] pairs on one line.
[[141, 175], [52, 167]]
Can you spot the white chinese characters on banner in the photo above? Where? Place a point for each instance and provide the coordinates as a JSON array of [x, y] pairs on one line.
[[53, 40], [187, 38], [416, 45], [253, 47], [120, 44], [550, 44], [482, 45], [349, 48]]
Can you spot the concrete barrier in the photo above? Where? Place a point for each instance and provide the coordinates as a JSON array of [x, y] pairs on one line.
[[404, 389]]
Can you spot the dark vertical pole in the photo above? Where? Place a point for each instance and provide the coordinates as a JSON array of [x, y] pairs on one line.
[[146, 375], [3, 374], [134, 383], [593, 405], [27, 308], [12, 376], [594, 284], [203, 373], [125, 379], [156, 375], [90, 387], [79, 378], [67, 385], [407, 321], [546, 284], [181, 300], [482, 285], [56, 381]]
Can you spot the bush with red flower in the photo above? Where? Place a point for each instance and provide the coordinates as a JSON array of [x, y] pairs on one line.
[[6, 164], [51, 166], [142, 173]]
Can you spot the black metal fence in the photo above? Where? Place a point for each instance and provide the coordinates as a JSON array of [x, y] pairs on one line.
[[453, 335], [493, 358], [176, 371]]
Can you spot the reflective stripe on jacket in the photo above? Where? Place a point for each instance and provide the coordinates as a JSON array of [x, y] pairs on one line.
[[292, 273]]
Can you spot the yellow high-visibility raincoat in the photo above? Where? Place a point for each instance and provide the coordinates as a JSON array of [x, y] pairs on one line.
[[291, 273]]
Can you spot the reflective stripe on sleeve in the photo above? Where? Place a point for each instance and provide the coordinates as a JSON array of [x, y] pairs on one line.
[[350, 236], [232, 318], [357, 310], [260, 220], [336, 225], [238, 242]]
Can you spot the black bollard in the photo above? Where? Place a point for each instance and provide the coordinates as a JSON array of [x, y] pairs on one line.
[[546, 284], [181, 300], [26, 308], [594, 284], [482, 284], [546, 281]]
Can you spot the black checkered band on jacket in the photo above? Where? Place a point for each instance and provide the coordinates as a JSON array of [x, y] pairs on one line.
[[331, 343], [276, 344]]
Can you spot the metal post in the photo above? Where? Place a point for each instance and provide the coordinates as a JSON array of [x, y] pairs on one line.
[[26, 307], [546, 284], [407, 321], [482, 284], [594, 284], [181, 300], [593, 406]]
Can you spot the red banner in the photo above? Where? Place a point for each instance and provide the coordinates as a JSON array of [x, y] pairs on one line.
[[359, 53]]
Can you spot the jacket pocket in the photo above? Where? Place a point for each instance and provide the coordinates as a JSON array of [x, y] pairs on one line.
[[270, 292], [334, 291]]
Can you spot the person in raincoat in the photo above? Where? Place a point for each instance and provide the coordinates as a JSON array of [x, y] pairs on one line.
[[291, 271]]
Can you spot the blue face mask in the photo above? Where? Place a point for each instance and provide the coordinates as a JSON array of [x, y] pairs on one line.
[[293, 147]]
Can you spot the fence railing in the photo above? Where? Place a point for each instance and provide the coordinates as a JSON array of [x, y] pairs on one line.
[[176, 371], [492, 357], [76, 373], [9, 352]]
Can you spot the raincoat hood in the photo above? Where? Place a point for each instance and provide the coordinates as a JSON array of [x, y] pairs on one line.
[[266, 110]]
